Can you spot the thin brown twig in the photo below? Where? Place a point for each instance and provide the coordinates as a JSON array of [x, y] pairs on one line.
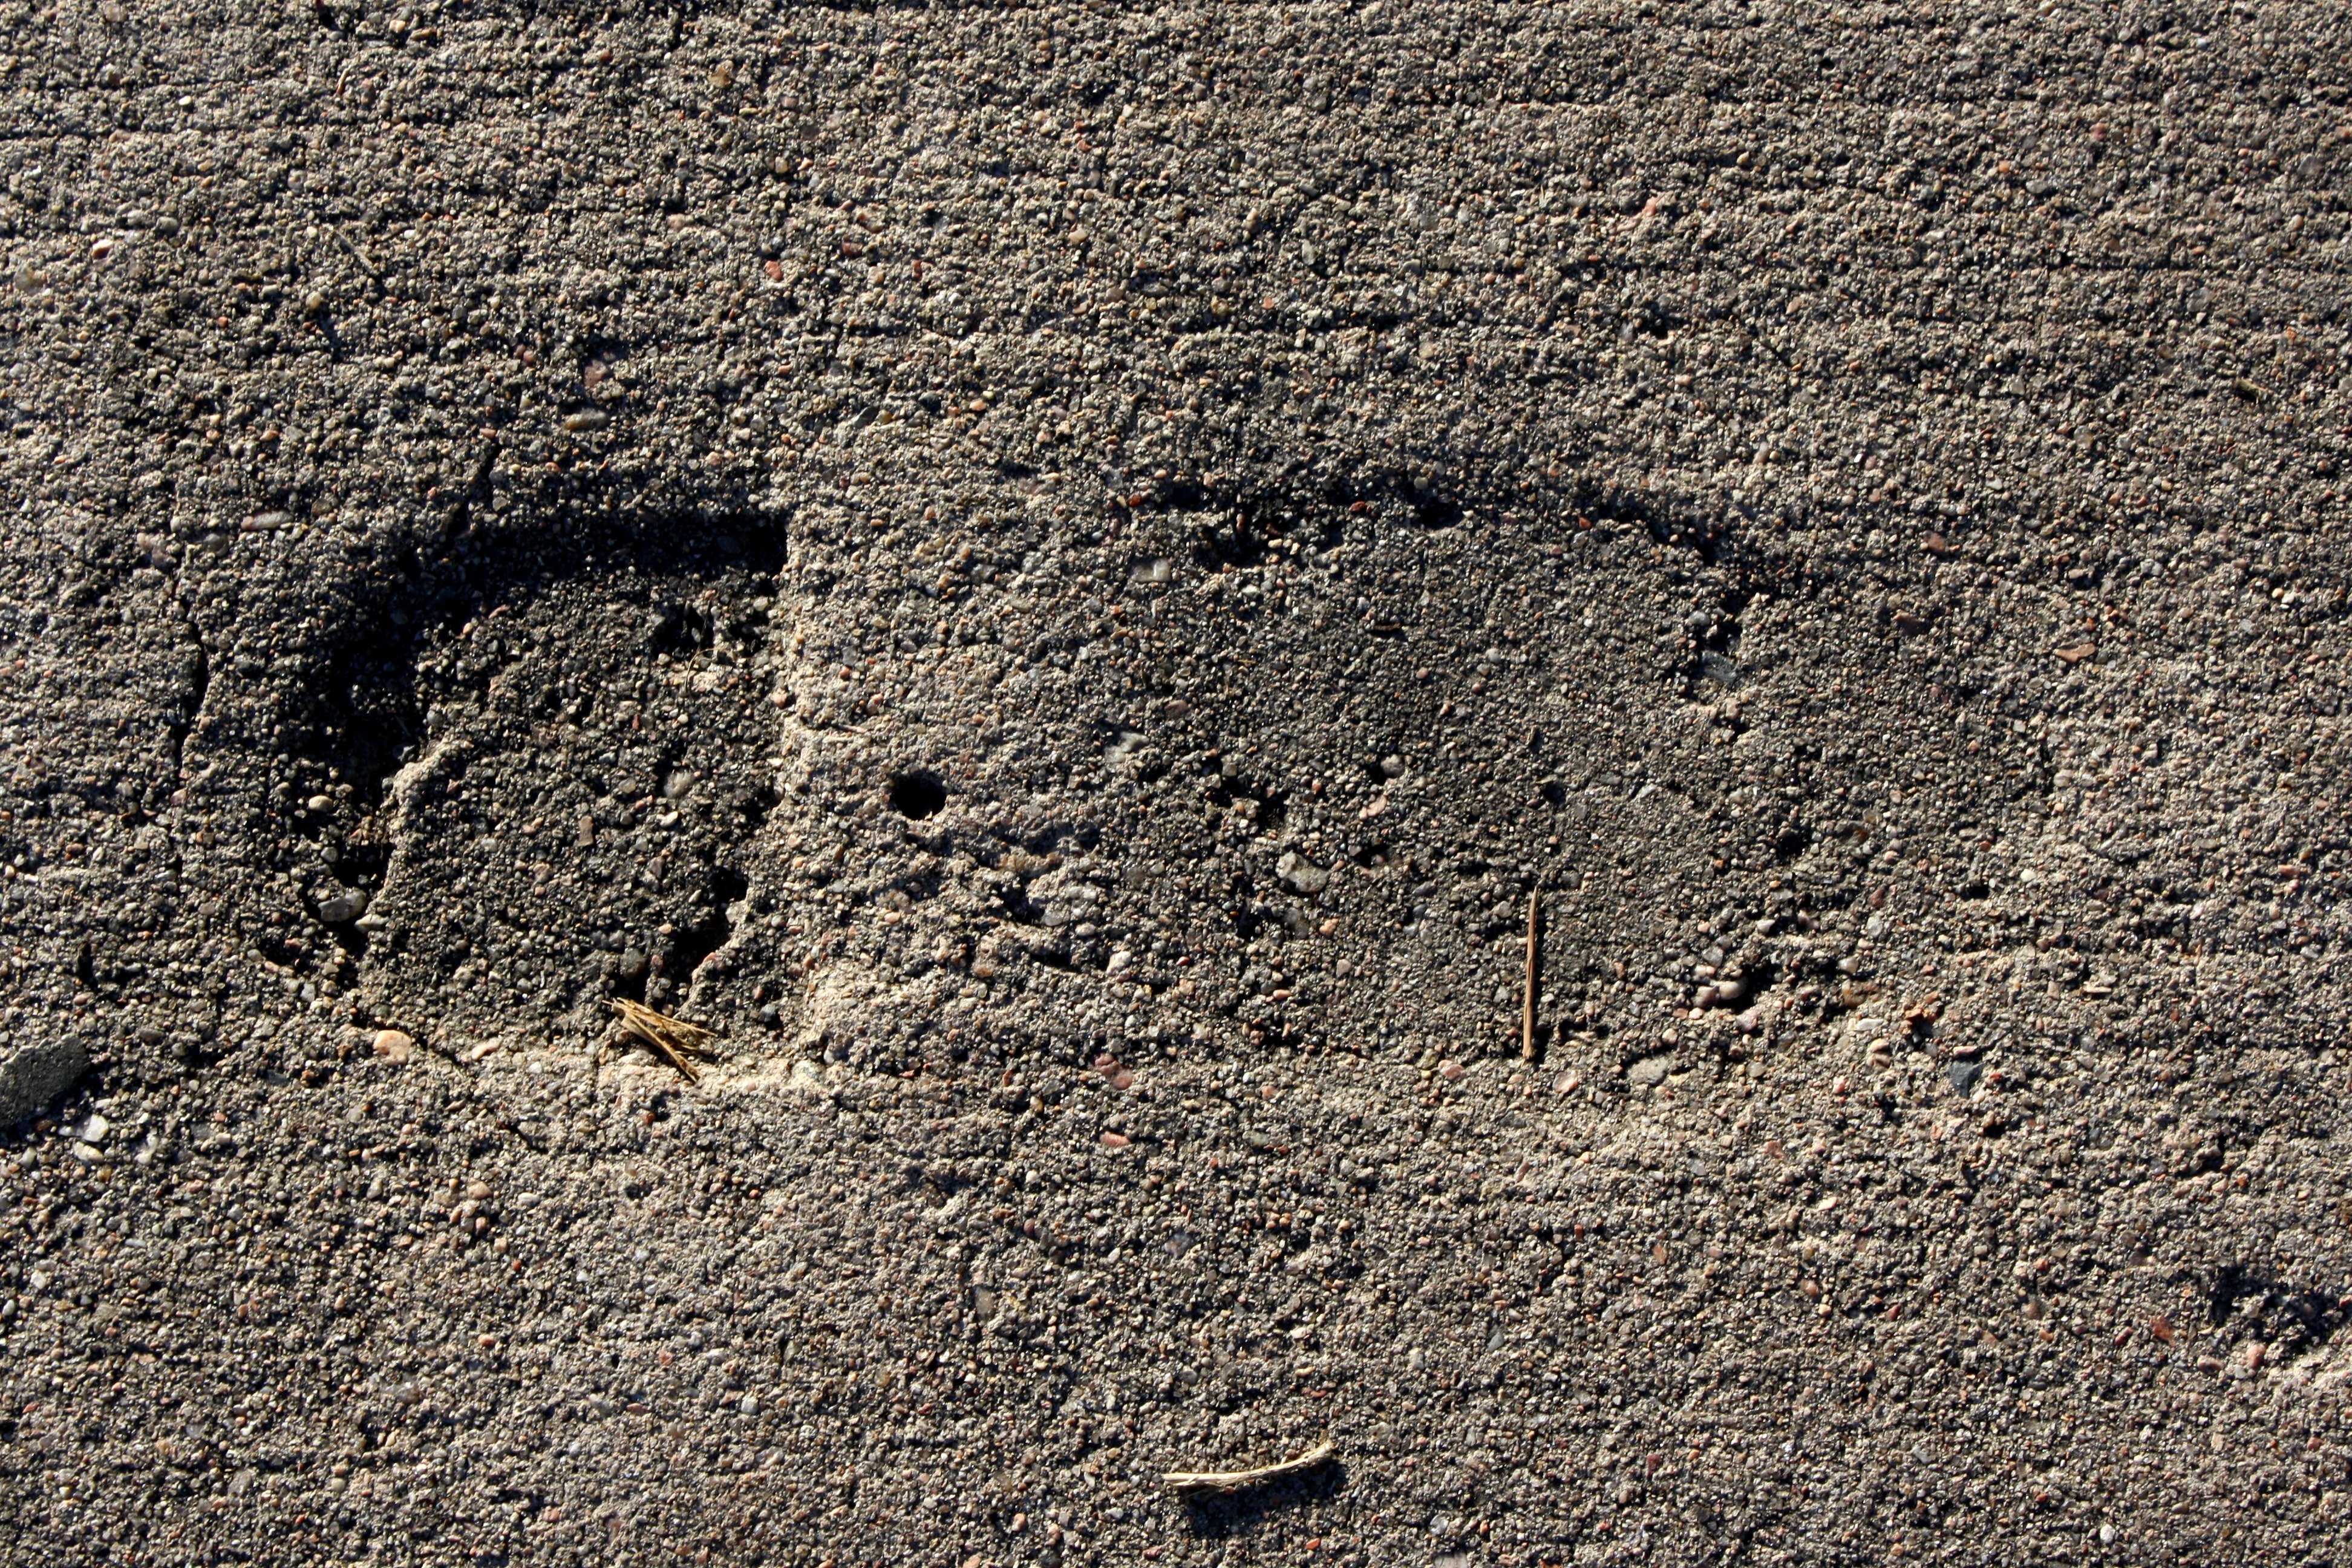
[[1233, 1480], [674, 1040], [1527, 993]]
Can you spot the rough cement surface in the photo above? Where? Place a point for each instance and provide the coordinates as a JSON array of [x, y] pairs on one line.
[[1058, 575]]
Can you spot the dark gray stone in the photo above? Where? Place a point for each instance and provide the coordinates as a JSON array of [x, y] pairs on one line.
[[34, 1073]]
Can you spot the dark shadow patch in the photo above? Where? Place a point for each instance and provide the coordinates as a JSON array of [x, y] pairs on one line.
[[905, 892], [366, 719], [628, 979], [692, 945], [1266, 805], [1243, 906], [1223, 1516], [1241, 524], [679, 629], [750, 806], [466, 624], [916, 795], [2249, 1304], [195, 679], [1436, 511], [603, 351], [1229, 539]]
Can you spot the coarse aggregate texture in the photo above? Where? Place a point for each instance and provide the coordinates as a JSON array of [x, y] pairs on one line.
[[1058, 575]]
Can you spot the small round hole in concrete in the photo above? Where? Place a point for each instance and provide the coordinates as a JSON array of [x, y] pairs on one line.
[[916, 795]]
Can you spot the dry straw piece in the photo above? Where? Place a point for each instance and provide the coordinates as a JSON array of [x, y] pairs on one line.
[[1234, 1481], [676, 1041]]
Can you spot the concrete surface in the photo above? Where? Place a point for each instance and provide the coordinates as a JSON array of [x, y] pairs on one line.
[[1058, 577]]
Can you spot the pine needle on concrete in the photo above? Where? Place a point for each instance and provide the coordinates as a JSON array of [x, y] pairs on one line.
[[1234, 1481]]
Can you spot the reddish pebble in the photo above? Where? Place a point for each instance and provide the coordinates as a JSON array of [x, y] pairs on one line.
[[1114, 1139]]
